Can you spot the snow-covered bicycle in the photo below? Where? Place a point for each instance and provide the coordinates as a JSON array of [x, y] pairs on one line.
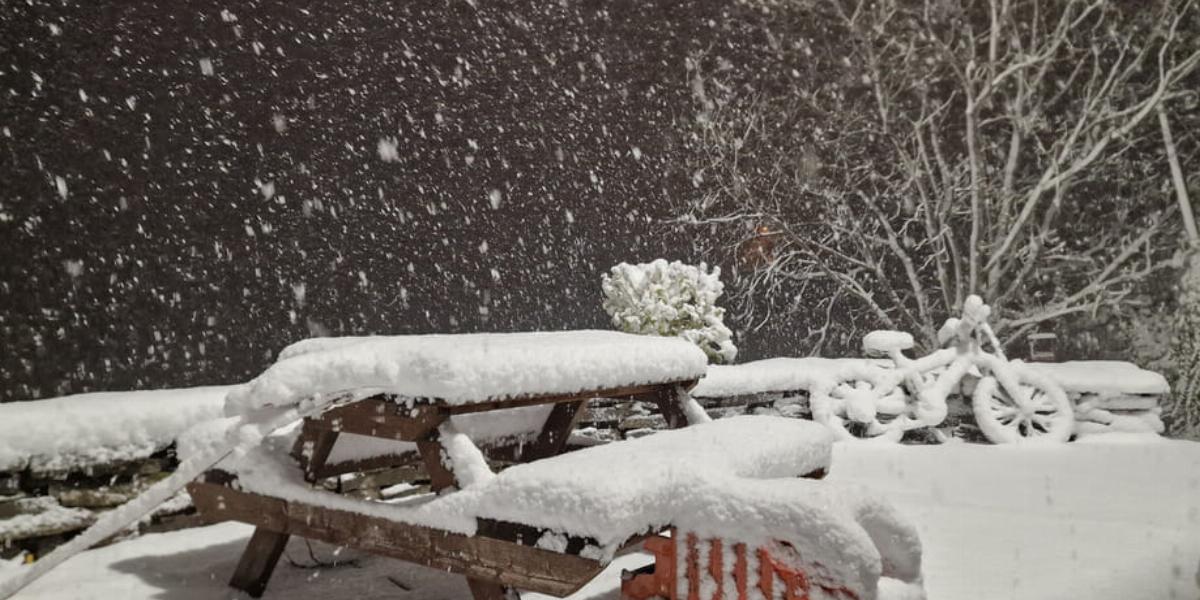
[[883, 399]]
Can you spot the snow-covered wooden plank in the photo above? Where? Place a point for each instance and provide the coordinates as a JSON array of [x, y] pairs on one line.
[[779, 375], [502, 562], [470, 368], [73, 433], [1103, 376]]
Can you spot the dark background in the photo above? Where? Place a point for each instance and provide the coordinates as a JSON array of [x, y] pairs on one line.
[[210, 219]]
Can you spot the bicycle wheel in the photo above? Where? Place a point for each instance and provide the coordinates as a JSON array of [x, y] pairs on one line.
[[1042, 413], [858, 409]]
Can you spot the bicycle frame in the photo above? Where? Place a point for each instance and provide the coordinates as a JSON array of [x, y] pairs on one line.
[[931, 408]]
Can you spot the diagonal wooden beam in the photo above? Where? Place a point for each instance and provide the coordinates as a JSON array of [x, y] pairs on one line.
[[477, 557], [558, 427], [312, 449], [258, 561], [440, 476]]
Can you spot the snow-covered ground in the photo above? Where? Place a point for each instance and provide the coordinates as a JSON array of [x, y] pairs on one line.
[[1114, 517]]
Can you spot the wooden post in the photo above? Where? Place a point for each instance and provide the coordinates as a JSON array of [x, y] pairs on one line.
[[440, 477], [671, 408], [553, 438], [258, 561], [322, 442], [486, 590]]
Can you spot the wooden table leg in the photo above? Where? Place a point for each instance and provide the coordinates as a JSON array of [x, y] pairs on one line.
[[258, 561], [553, 437], [486, 590], [440, 477], [671, 406], [312, 449]]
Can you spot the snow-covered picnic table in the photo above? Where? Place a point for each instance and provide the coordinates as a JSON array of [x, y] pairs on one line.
[[451, 402]]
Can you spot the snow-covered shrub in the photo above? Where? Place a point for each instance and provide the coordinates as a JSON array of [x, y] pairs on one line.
[[670, 299]]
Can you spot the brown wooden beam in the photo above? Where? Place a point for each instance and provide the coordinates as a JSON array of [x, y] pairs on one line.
[[623, 392], [486, 590], [486, 559], [373, 463], [382, 418], [317, 443], [440, 476], [558, 427], [671, 407], [258, 561]]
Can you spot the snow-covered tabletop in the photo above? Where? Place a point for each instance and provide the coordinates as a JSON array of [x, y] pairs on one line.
[[74, 432], [469, 368]]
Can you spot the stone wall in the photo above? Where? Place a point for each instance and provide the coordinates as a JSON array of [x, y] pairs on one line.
[[42, 509]]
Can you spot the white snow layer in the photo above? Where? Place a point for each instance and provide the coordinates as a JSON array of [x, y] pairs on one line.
[[885, 341], [73, 432], [1103, 376], [468, 368], [796, 374], [777, 375], [618, 490]]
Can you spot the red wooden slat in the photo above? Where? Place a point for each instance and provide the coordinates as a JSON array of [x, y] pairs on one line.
[[739, 571], [766, 581], [693, 568]]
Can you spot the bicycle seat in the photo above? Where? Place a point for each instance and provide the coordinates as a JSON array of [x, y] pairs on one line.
[[885, 341]]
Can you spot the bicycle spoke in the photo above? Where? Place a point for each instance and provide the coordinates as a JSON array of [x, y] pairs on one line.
[[1002, 412]]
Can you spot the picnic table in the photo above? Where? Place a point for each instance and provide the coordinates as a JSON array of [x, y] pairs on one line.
[[552, 522]]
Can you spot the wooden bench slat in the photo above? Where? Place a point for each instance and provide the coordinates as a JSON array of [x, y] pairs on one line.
[[476, 557]]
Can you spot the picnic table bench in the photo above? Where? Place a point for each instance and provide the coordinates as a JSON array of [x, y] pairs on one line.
[[553, 521]]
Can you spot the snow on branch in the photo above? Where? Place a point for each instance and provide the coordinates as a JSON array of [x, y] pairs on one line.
[[904, 155], [670, 299]]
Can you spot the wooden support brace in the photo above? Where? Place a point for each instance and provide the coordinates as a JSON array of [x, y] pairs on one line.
[[313, 448], [559, 425], [258, 561], [440, 477], [486, 590], [671, 408], [487, 559], [382, 418]]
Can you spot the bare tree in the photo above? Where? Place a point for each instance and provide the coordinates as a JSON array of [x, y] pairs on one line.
[[1184, 406], [929, 150]]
